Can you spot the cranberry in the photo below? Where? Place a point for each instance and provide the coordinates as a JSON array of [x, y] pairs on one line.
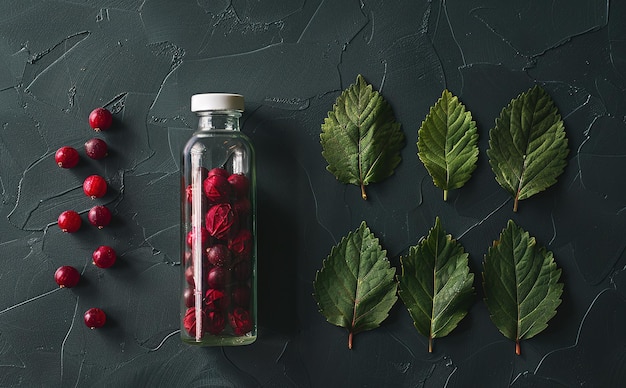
[[218, 171], [95, 186], [104, 257], [216, 299], [242, 270], [242, 208], [96, 148], [220, 219], [189, 297], [240, 185], [241, 296], [189, 276], [218, 255], [69, 221], [95, 318], [215, 322], [191, 236], [66, 157], [240, 321], [241, 244], [99, 216], [100, 119], [217, 277], [216, 188], [189, 322], [66, 276]]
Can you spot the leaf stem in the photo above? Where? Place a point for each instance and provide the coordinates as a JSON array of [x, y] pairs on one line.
[[350, 341], [518, 350], [515, 202], [363, 194], [445, 195], [430, 344]]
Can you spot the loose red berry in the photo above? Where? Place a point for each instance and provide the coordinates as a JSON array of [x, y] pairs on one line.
[[99, 216], [240, 184], [95, 318], [95, 186], [217, 189], [66, 157], [66, 276], [104, 256], [96, 148], [100, 119], [69, 221]]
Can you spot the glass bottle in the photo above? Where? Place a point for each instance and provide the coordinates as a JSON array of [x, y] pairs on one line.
[[218, 231]]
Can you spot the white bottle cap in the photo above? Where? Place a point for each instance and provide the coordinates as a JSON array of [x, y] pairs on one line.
[[216, 101]]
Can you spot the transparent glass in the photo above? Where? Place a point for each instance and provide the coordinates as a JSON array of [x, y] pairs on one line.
[[218, 234]]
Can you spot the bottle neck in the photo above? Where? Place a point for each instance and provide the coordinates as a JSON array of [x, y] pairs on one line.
[[219, 120]]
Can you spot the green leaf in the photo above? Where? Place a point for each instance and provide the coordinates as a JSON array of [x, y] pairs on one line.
[[355, 288], [527, 147], [520, 280], [360, 138], [447, 143], [436, 284]]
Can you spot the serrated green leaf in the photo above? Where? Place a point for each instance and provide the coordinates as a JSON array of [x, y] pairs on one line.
[[520, 280], [355, 288], [361, 140], [436, 284], [527, 147], [447, 143]]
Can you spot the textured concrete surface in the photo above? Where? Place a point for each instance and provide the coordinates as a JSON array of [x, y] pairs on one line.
[[291, 59]]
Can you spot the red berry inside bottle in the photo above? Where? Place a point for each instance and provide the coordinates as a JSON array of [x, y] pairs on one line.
[[215, 322], [99, 216], [240, 321], [216, 299], [217, 189], [218, 255], [240, 185], [96, 148], [100, 119], [189, 297], [69, 221], [95, 186], [241, 296], [217, 277], [194, 328], [95, 318], [220, 219], [192, 235], [218, 171], [66, 276], [241, 244], [104, 257], [66, 157]]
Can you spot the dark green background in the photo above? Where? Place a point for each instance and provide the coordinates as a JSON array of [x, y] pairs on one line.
[[291, 59]]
